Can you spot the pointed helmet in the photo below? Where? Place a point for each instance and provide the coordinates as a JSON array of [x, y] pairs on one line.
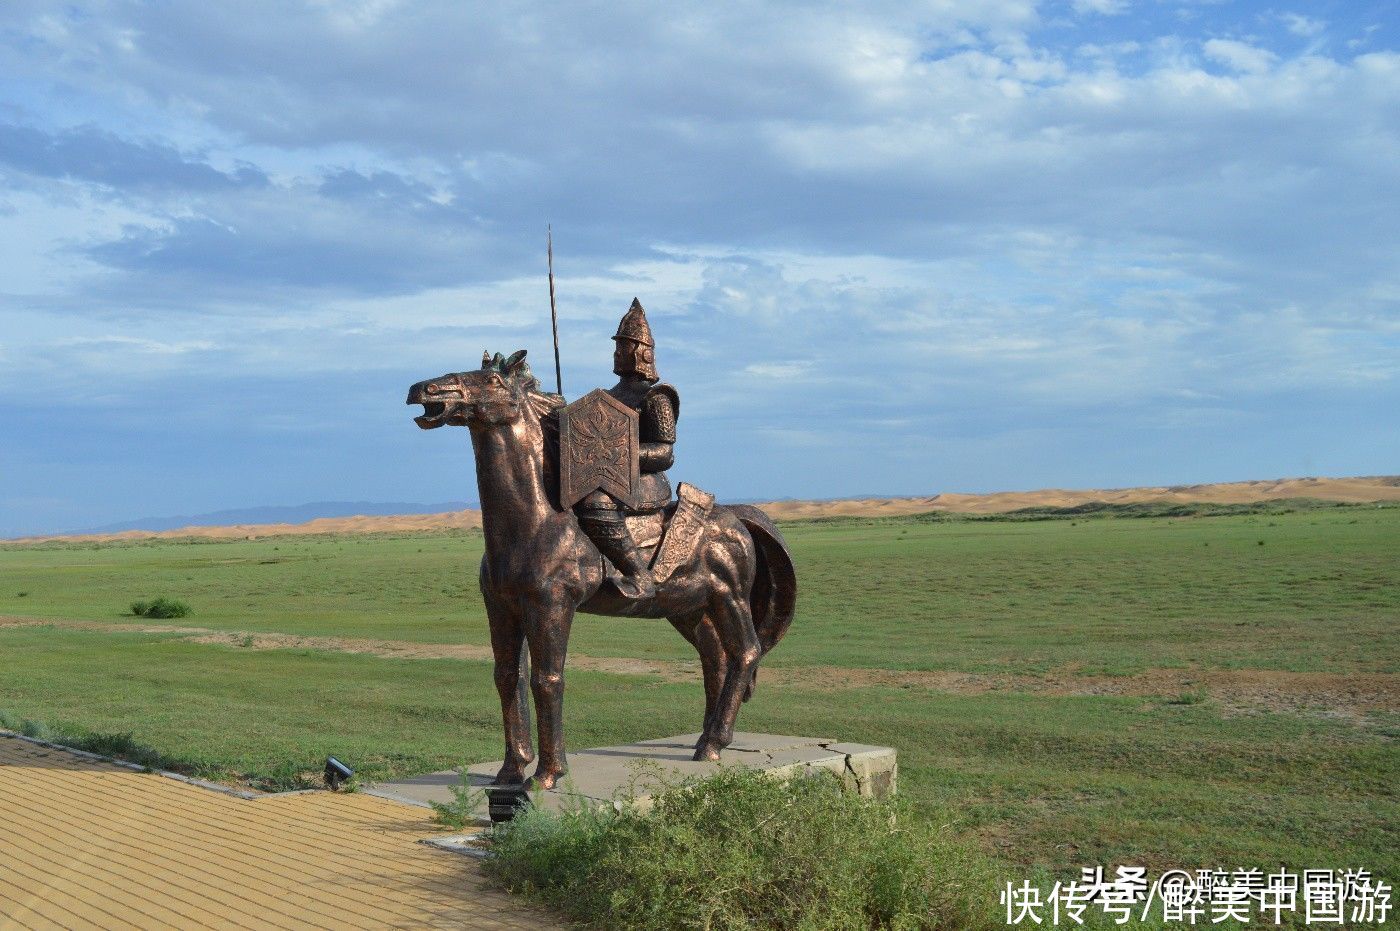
[[634, 331], [634, 325]]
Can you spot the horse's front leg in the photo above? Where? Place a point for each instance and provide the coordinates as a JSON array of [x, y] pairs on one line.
[[508, 643], [547, 630]]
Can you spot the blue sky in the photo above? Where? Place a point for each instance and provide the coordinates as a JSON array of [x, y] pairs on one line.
[[886, 248]]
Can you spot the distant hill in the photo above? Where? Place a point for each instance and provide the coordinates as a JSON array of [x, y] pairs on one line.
[[1348, 490], [366, 517], [278, 514]]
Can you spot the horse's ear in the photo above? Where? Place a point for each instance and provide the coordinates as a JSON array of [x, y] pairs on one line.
[[516, 359], [496, 361], [486, 358]]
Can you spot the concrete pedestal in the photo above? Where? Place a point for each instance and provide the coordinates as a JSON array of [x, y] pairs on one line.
[[608, 775]]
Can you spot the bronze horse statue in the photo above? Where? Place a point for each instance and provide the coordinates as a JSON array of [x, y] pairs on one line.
[[733, 599]]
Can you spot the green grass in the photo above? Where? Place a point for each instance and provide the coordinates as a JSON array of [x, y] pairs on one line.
[[1110, 595], [122, 746], [1044, 782], [403, 588]]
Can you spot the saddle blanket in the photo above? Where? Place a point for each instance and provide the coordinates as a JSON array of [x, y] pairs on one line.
[[675, 541]]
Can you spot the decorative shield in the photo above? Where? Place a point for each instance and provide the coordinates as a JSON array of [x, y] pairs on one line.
[[598, 449]]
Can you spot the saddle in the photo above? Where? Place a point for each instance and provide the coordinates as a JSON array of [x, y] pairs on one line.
[[670, 536]]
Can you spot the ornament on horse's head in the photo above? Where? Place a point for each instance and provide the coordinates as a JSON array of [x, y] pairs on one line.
[[513, 369]]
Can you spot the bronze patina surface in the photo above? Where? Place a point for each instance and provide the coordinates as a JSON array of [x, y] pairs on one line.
[[684, 531], [721, 574], [598, 439]]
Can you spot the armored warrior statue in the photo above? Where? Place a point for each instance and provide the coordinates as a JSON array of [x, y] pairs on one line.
[[601, 513], [566, 490]]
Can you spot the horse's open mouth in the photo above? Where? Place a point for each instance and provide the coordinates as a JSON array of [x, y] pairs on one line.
[[432, 415]]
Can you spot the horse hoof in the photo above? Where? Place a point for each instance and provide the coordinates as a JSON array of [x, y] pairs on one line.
[[704, 752], [545, 780], [508, 777]]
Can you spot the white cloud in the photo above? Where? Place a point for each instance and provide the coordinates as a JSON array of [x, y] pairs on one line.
[[1101, 7], [1240, 56], [150, 346], [888, 212], [355, 14], [785, 371], [1301, 25]]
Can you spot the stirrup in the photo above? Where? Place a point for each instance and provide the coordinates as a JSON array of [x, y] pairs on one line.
[[637, 587]]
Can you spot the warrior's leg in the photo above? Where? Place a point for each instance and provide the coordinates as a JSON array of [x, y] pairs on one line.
[[601, 517]]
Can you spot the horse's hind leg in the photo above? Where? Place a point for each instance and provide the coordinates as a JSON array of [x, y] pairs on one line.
[[508, 646], [700, 631], [733, 623]]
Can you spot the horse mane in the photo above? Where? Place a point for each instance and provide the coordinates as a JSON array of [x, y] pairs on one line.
[[544, 405], [516, 371]]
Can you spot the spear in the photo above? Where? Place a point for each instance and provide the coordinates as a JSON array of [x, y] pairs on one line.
[[553, 314]]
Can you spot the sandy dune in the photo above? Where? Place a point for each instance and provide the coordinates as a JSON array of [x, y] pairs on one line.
[[1353, 490]]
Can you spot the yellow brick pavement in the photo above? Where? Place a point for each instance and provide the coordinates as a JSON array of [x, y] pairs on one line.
[[88, 844]]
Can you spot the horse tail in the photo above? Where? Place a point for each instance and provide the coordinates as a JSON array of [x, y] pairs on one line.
[[773, 599]]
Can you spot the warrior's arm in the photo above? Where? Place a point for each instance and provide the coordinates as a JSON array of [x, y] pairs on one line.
[[658, 432], [656, 457]]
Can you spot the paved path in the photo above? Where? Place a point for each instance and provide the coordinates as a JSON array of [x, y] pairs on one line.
[[86, 843]]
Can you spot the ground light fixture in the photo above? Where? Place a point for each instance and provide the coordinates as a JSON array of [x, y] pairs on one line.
[[336, 772]]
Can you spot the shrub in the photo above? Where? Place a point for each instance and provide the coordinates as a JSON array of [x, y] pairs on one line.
[[288, 776], [466, 802], [160, 608], [168, 607], [35, 729], [1189, 697], [744, 850]]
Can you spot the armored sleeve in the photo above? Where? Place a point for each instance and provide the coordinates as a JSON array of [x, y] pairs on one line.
[[658, 429]]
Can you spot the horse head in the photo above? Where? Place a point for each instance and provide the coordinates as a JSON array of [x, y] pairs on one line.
[[502, 391]]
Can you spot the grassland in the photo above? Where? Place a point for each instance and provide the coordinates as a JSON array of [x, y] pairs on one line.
[[1046, 771]]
